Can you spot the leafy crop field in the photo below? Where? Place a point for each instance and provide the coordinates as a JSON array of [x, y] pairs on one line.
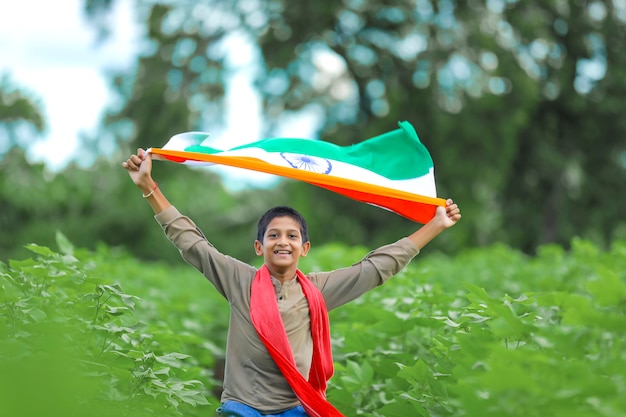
[[489, 332]]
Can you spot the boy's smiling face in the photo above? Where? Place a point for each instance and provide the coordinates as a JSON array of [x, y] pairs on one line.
[[282, 246]]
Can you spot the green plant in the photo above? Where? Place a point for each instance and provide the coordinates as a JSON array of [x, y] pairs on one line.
[[71, 339]]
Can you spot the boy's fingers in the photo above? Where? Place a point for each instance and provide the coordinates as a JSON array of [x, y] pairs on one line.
[[136, 160]]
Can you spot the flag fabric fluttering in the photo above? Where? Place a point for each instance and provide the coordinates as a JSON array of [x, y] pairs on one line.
[[394, 170]]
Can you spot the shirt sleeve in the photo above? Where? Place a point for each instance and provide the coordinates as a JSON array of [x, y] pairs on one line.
[[346, 284], [223, 271]]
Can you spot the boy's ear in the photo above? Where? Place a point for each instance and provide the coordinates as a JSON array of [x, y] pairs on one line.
[[258, 247], [305, 248]]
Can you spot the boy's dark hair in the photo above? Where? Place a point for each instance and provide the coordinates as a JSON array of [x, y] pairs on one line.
[[282, 211]]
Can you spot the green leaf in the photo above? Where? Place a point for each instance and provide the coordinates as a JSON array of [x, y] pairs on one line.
[[416, 373], [40, 250], [172, 359], [36, 314], [65, 246], [607, 289], [115, 311]]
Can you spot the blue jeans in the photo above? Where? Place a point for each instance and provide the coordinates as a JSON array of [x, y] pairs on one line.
[[236, 409]]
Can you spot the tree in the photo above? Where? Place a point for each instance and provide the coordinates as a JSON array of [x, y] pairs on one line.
[[517, 101], [21, 118]]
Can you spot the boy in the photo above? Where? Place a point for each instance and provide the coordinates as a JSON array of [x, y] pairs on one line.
[[278, 355]]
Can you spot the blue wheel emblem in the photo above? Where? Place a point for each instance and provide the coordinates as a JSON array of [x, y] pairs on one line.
[[307, 163]]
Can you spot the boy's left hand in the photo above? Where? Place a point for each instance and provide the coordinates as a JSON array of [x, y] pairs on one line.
[[448, 215]]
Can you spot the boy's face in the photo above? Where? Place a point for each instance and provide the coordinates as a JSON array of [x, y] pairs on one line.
[[282, 244]]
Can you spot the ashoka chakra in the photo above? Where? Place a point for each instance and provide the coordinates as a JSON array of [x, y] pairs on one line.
[[308, 163]]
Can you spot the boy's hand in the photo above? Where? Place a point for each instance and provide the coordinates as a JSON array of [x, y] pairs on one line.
[[444, 218], [449, 215], [139, 168]]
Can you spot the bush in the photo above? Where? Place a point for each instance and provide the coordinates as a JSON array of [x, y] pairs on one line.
[[75, 341], [490, 332]]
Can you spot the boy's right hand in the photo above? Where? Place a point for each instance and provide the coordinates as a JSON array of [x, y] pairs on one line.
[[139, 168]]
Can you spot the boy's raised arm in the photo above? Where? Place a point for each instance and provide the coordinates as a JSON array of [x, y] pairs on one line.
[[139, 168]]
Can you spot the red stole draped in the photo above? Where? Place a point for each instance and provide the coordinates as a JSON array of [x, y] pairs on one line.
[[269, 325]]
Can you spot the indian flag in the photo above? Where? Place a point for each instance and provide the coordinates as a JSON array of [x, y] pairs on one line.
[[393, 171]]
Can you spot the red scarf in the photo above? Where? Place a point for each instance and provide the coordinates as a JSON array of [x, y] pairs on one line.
[[268, 323]]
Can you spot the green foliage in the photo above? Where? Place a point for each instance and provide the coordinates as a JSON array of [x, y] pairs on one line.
[[74, 339], [490, 332]]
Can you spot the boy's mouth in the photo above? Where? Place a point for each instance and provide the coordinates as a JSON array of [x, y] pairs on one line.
[[282, 252]]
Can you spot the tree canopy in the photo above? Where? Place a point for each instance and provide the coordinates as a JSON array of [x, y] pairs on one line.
[[519, 102]]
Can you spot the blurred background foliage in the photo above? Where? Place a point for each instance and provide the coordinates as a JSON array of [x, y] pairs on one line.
[[521, 104]]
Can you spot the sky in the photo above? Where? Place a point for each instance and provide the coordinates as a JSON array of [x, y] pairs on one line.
[[50, 49]]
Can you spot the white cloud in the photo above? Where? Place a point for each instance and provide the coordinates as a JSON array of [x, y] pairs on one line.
[[50, 49]]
